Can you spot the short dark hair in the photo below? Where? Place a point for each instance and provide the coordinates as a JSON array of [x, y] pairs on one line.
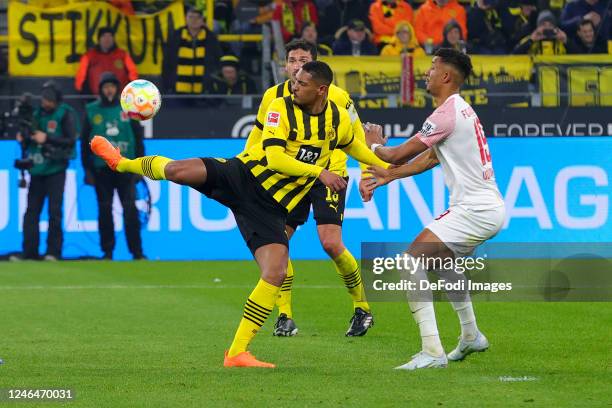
[[194, 10], [586, 21], [320, 71], [299, 44], [459, 60]]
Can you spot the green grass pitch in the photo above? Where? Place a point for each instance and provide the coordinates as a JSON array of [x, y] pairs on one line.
[[149, 334]]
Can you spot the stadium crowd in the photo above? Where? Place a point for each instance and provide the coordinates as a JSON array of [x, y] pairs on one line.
[[349, 27]]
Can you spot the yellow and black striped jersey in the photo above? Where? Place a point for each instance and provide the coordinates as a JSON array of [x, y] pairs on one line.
[[339, 96], [309, 139]]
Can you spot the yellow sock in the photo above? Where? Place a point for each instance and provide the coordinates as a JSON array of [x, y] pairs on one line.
[[256, 310], [348, 269], [149, 166], [284, 300]]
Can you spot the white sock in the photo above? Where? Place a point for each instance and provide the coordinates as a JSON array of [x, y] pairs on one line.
[[422, 308], [465, 311], [425, 317]]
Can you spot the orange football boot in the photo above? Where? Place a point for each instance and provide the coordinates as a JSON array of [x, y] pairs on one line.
[[245, 359], [106, 151]]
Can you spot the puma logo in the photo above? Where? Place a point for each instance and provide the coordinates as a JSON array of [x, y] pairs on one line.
[[335, 207]]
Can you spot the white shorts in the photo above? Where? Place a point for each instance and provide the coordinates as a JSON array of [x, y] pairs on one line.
[[462, 229]]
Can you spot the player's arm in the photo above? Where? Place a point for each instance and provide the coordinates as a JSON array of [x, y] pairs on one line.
[[357, 149], [392, 154], [344, 99], [274, 143], [256, 133], [380, 176], [439, 126]]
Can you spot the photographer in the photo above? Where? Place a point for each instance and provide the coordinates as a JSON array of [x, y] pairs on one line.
[[104, 117], [48, 147], [546, 39]]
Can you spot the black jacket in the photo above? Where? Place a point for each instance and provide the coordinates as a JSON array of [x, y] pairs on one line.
[[343, 46], [338, 14], [578, 47], [214, 53]]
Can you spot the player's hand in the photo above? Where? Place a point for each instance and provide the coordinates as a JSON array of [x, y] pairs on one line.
[[333, 181], [380, 176], [368, 184], [39, 137], [19, 137], [365, 190], [374, 134]]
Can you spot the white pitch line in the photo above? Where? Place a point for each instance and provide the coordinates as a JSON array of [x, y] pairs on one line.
[[95, 287]]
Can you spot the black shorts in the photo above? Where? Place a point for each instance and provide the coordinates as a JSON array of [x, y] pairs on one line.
[[260, 218], [328, 206]]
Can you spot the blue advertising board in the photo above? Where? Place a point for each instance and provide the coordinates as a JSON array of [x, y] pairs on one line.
[[556, 190]]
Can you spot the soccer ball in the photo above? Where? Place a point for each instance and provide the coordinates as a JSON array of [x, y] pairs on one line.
[[140, 99]]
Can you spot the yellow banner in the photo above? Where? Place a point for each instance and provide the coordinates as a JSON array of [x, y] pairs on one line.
[[382, 75], [50, 41], [575, 80]]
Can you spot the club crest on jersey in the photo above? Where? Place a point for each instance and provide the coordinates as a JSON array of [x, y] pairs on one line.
[[273, 119], [428, 128]]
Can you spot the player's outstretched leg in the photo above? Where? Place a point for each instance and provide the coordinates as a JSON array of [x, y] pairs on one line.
[[190, 172], [272, 260], [285, 326], [348, 269]]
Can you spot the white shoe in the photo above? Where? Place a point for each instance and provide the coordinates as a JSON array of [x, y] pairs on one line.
[[424, 360], [51, 258], [464, 348]]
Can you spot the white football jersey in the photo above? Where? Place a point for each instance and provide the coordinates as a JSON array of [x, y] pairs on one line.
[[457, 137]]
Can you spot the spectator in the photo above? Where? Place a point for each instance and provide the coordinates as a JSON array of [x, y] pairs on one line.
[[431, 18], [49, 148], [594, 10], [339, 14], [293, 14], [105, 56], [105, 117], [587, 42], [191, 53], [384, 16], [453, 37], [523, 22], [354, 40], [266, 11], [230, 80], [404, 41], [488, 31], [309, 33], [125, 6], [546, 39]]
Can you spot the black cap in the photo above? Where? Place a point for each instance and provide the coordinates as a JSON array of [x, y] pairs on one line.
[[107, 77], [357, 25], [230, 61], [51, 92], [105, 30]]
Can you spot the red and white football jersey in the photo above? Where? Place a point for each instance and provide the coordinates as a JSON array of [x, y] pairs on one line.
[[454, 131]]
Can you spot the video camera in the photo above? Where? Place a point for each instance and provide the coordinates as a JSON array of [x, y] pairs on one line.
[[20, 120]]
